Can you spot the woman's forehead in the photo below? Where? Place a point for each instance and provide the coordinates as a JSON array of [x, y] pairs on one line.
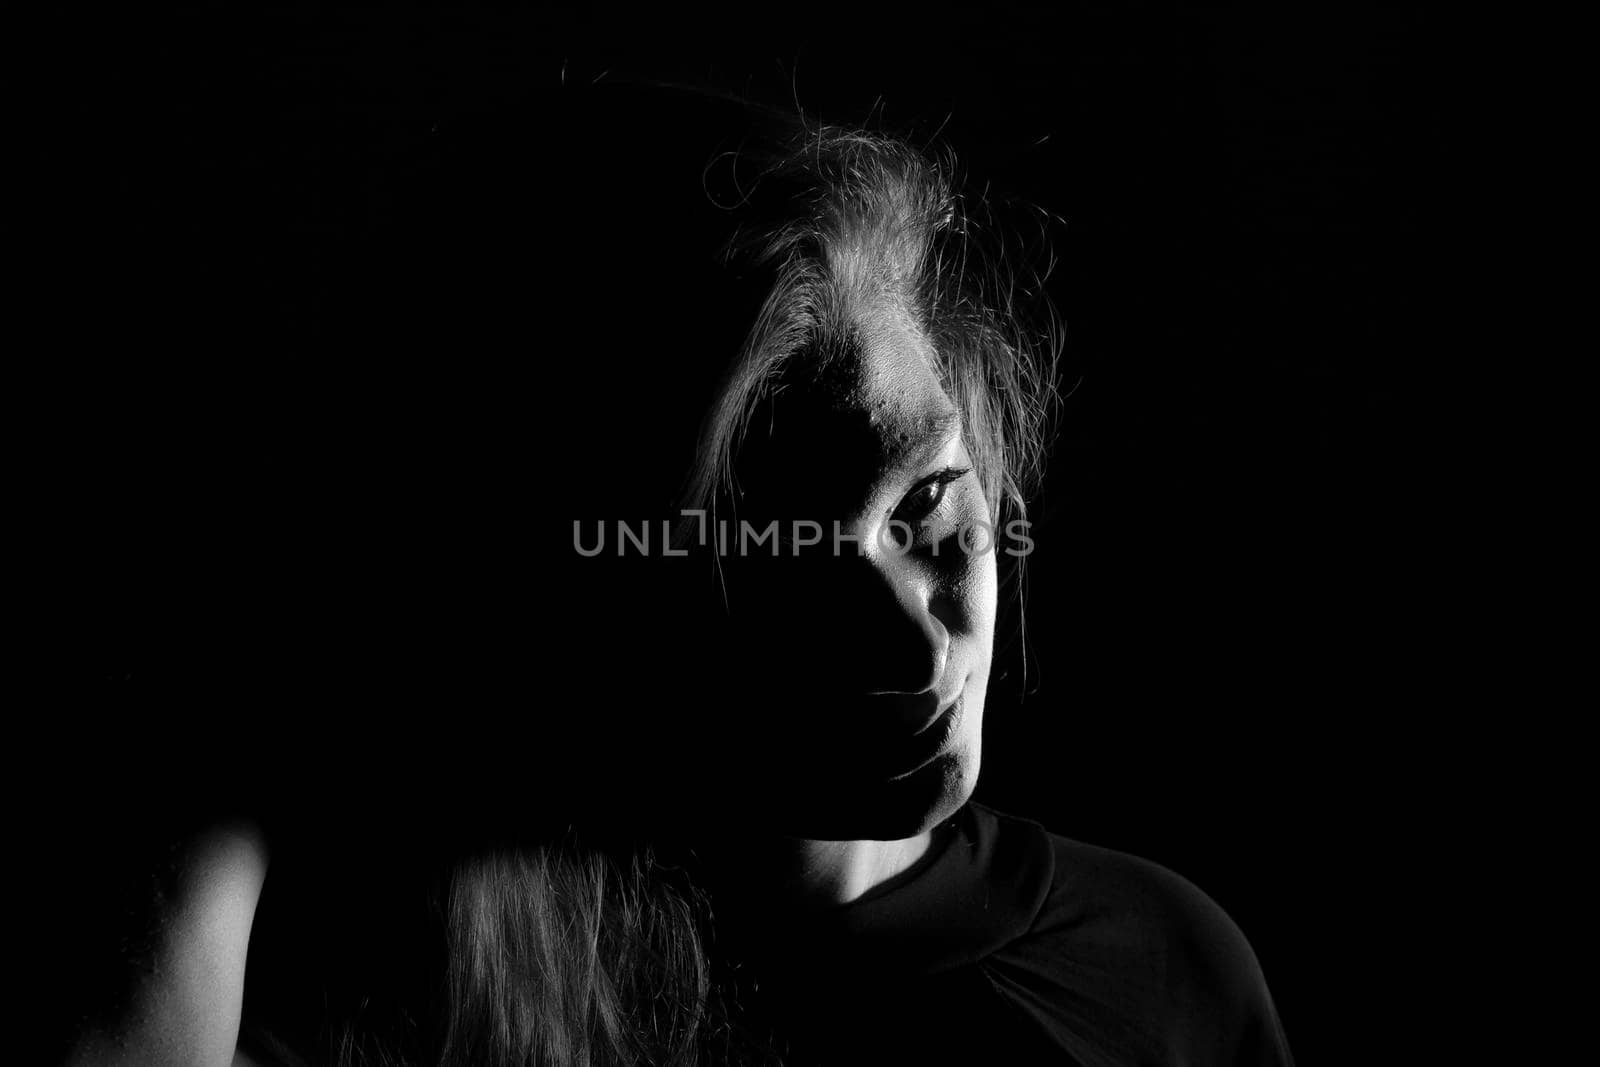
[[872, 406]]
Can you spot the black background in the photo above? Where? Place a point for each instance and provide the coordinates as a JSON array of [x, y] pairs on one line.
[[1231, 584]]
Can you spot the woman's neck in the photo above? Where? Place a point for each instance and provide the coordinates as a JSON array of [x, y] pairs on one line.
[[752, 868], [824, 874]]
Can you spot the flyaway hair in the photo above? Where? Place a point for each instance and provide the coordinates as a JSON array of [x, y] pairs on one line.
[[866, 222]]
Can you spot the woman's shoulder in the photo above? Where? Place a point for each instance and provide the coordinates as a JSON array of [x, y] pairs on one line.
[[1134, 958], [1099, 895]]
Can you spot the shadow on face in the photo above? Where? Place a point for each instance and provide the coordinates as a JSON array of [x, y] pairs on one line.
[[864, 625], [527, 325]]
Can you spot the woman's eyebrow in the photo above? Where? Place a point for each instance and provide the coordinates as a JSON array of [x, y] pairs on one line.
[[933, 434], [939, 429]]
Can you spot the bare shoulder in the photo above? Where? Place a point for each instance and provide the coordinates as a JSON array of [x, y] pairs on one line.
[[183, 1001]]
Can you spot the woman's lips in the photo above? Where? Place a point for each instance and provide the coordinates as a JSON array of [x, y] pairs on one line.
[[917, 713], [879, 738], [930, 742]]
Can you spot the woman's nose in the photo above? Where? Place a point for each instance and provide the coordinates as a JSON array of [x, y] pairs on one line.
[[906, 646], [865, 625]]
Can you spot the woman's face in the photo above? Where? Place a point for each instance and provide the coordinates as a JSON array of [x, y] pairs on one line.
[[865, 657]]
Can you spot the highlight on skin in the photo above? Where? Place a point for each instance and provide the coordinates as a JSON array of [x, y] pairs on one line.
[[892, 306]]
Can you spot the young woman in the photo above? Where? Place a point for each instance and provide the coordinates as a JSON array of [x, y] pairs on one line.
[[886, 416], [777, 418]]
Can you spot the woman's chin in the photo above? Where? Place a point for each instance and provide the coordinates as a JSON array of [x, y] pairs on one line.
[[892, 810]]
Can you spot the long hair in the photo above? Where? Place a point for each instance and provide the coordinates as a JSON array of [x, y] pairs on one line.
[[562, 954]]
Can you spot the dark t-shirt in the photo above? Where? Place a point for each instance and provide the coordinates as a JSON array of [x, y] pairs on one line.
[[1006, 945], [1012, 945]]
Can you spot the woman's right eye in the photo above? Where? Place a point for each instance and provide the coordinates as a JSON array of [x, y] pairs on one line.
[[925, 499]]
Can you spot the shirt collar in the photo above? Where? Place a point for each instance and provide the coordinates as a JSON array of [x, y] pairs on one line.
[[982, 890]]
